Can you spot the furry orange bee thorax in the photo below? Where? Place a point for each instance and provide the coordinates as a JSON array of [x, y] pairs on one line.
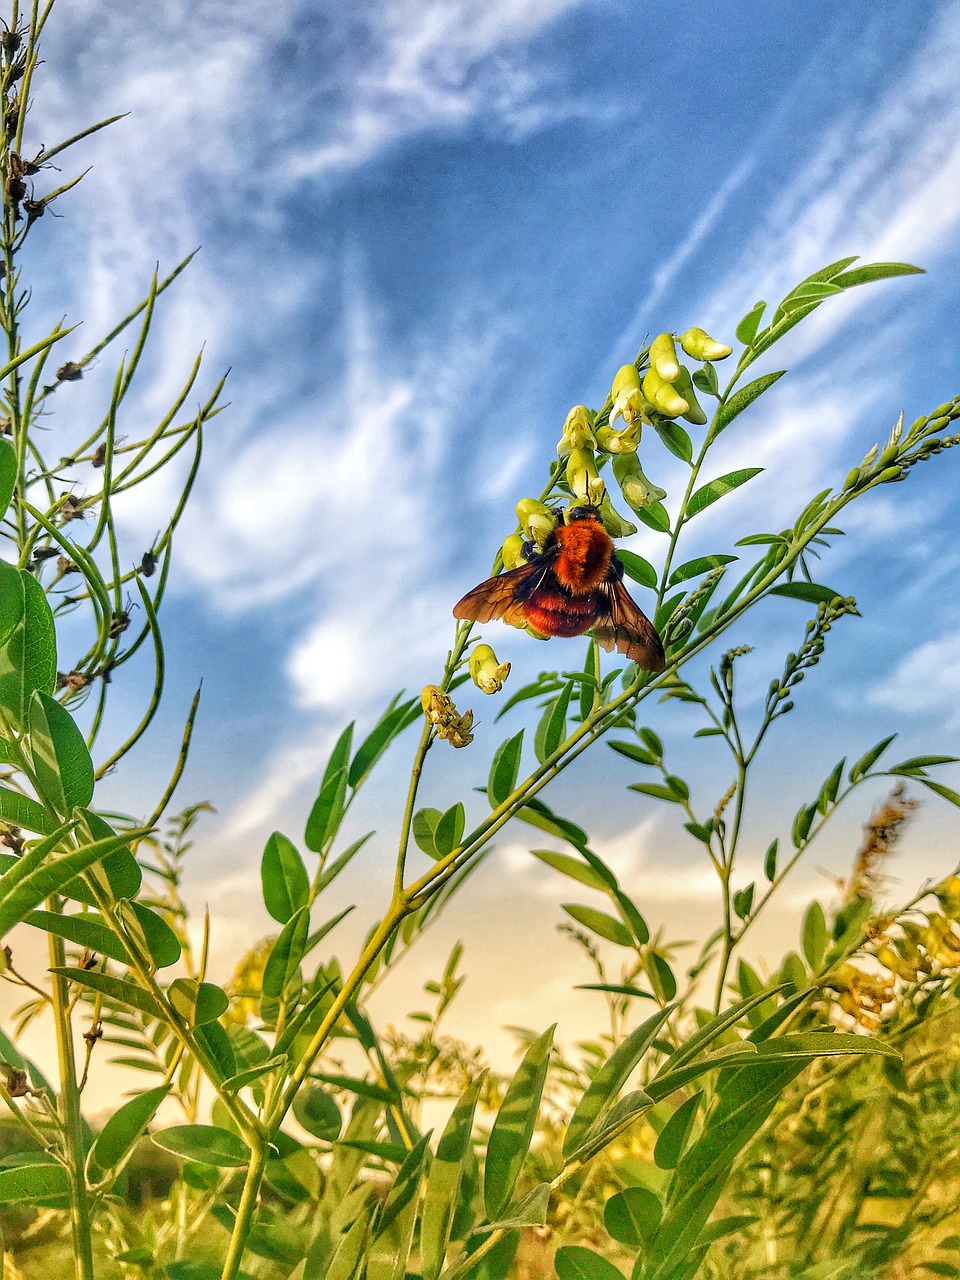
[[583, 560]]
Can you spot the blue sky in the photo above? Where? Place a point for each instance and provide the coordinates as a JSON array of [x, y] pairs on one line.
[[428, 229]]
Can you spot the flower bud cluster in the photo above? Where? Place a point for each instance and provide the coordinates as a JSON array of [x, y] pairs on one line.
[[778, 694], [439, 709]]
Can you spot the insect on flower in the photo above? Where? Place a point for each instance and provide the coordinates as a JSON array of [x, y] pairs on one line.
[[574, 584]]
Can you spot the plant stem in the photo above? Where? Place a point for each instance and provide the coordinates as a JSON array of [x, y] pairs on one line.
[[245, 1210], [71, 1121]]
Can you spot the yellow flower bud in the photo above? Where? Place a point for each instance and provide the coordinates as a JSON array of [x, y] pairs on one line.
[[582, 473], [662, 396], [512, 551], [486, 672], [948, 893], [637, 490], [536, 520], [577, 430], [699, 344], [684, 387]]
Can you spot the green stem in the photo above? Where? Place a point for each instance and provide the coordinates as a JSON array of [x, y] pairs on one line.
[[71, 1120], [245, 1210]]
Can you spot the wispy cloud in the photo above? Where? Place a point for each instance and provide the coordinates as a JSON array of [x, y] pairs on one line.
[[926, 680]]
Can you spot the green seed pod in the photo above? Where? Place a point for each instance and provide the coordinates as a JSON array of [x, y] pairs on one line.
[[852, 480], [684, 388], [662, 395], [888, 455], [938, 423], [891, 473], [663, 357], [699, 344]]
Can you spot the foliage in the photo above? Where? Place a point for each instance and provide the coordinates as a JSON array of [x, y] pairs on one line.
[[294, 1126]]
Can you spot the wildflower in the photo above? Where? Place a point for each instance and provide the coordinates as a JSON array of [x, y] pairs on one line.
[[536, 520], [663, 357], [662, 395], [582, 476], [512, 551], [440, 710], [577, 430], [487, 673], [628, 401]]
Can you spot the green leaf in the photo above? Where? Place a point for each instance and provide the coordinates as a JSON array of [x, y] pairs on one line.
[[661, 976], [424, 827], [694, 568], [204, 1142], [162, 944], [348, 1256], [8, 474], [443, 1183], [609, 1080], [118, 875], [655, 516], [869, 759], [657, 790], [747, 328], [405, 1184], [392, 723], [37, 875], [675, 439], [232, 1084], [28, 658], [637, 568], [632, 1217], [674, 1134], [875, 271], [812, 592], [197, 1002], [571, 867], [121, 990], [288, 950], [219, 1044], [717, 1026], [514, 1125], [504, 770], [84, 930], [770, 861], [122, 1131], [537, 814], [598, 922], [577, 1262], [741, 400], [939, 789], [24, 812], [11, 601], [743, 901], [617, 989], [633, 752], [60, 757], [813, 935], [449, 830], [552, 728], [340, 862], [707, 494], [33, 1182], [283, 877], [317, 1111], [362, 1088], [922, 762], [327, 811]]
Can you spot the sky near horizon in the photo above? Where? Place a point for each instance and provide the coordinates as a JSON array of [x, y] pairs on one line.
[[428, 228]]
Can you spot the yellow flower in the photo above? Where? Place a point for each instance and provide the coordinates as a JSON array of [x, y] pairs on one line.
[[486, 672]]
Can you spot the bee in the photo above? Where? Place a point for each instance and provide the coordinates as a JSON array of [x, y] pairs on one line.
[[574, 584]]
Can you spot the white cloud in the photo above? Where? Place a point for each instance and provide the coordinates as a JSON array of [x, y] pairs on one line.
[[926, 680], [436, 65]]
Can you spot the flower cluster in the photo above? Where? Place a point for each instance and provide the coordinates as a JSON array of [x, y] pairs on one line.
[[440, 710]]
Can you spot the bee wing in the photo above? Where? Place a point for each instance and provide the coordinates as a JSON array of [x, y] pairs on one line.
[[500, 597], [623, 626]]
